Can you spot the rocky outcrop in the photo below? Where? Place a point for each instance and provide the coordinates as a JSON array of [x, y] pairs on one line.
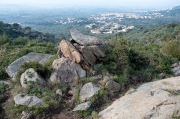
[[69, 51], [21, 99], [75, 57], [31, 76], [15, 30], [82, 49], [65, 70], [154, 100], [83, 106], [14, 67], [88, 91]]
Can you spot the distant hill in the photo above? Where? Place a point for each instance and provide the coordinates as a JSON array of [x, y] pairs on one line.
[[174, 12], [176, 8], [157, 34], [15, 30]]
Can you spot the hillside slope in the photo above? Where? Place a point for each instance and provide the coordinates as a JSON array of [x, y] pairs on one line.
[[158, 33], [15, 30]]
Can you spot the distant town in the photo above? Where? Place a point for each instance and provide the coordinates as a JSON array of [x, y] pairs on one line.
[[108, 23]]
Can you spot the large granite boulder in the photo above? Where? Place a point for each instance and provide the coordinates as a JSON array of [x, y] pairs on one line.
[[85, 40], [88, 56], [88, 91], [154, 100], [82, 49], [96, 51], [65, 70], [69, 51], [14, 67], [21, 99], [31, 76]]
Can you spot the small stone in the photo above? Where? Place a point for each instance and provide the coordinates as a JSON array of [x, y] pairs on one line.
[[174, 65], [162, 75], [88, 91], [104, 81], [59, 92], [82, 106], [113, 86], [27, 115]]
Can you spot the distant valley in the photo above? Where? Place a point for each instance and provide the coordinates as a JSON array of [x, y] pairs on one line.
[[90, 21]]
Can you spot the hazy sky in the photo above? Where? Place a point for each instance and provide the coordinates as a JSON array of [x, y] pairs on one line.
[[133, 3]]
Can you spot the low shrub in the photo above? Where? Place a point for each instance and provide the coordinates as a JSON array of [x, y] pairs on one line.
[[172, 48], [3, 87], [42, 70]]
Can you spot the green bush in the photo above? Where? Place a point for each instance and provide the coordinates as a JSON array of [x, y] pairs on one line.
[[172, 48], [135, 62], [3, 74], [3, 87], [4, 39], [20, 41]]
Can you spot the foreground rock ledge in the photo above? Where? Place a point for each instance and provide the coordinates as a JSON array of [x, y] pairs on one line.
[[153, 100]]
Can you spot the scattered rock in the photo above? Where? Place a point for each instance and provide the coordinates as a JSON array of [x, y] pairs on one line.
[[65, 70], [83, 106], [14, 67], [88, 91], [113, 86], [162, 75], [27, 115], [73, 93], [174, 65], [21, 99], [59, 92], [176, 70], [150, 101], [30, 75], [104, 81]]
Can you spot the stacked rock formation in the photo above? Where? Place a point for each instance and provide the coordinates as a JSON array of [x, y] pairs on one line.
[[82, 49], [76, 56]]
